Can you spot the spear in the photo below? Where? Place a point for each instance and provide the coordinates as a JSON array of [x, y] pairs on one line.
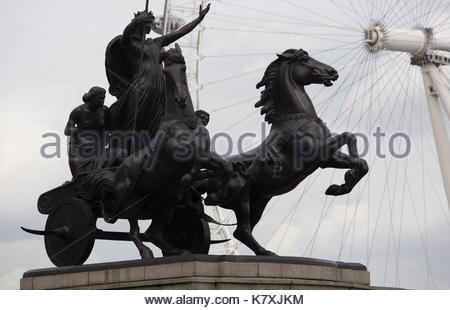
[[140, 67], [143, 35]]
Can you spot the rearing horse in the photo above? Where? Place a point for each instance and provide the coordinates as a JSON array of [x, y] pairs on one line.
[[298, 144]]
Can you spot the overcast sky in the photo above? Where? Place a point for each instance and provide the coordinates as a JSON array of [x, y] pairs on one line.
[[396, 221]]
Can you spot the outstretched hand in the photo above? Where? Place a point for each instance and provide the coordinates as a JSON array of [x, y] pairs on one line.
[[203, 12]]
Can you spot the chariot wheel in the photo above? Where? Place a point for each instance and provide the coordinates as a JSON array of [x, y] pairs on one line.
[[188, 232], [74, 226]]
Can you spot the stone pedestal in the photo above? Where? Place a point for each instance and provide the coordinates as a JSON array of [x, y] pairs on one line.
[[208, 272]]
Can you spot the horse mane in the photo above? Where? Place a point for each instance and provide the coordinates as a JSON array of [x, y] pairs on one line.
[[266, 100], [270, 77]]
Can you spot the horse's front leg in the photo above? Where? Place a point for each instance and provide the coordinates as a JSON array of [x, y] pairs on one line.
[[335, 159], [244, 228], [145, 252], [162, 218]]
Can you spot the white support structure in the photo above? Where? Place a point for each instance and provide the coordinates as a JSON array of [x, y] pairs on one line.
[[439, 85], [431, 81], [428, 52]]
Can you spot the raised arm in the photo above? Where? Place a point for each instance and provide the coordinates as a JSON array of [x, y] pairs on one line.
[[175, 35]]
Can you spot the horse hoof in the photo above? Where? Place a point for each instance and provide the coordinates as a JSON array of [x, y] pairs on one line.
[[108, 218], [176, 252], [146, 254], [332, 190], [211, 200], [266, 253], [338, 190]]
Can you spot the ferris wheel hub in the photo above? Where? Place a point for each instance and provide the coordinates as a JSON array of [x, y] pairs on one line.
[[414, 41]]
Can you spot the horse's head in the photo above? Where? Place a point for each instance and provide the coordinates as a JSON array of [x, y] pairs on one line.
[[306, 70], [175, 72]]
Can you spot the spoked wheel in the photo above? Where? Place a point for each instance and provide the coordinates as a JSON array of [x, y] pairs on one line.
[[73, 228], [188, 232]]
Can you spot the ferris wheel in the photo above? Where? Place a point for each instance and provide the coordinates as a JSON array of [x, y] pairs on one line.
[[393, 59]]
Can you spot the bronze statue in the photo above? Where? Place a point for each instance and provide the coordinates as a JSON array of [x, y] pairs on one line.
[[166, 181]]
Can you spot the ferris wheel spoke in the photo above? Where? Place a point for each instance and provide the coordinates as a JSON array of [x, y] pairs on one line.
[[355, 80], [324, 104], [276, 14], [438, 17], [387, 67], [271, 29], [316, 13], [394, 71]]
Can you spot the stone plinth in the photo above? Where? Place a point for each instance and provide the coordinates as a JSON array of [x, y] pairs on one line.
[[208, 272]]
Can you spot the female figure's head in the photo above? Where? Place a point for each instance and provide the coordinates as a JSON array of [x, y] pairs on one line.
[[95, 98], [148, 19]]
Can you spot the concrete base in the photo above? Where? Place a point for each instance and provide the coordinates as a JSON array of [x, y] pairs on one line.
[[206, 272]]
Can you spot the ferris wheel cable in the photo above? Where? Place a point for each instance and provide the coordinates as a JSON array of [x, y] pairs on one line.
[[387, 15], [430, 179], [443, 25], [379, 208], [323, 105], [355, 11], [240, 121], [381, 205], [421, 20], [426, 168], [386, 63], [410, 264], [427, 7], [405, 77], [274, 203], [295, 209], [385, 103], [282, 31], [394, 15], [238, 55], [266, 12], [429, 19], [341, 7], [307, 186], [232, 77], [315, 13], [272, 32], [343, 229], [323, 214], [314, 52], [399, 20], [355, 79], [233, 104], [396, 67], [306, 23], [424, 243]]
